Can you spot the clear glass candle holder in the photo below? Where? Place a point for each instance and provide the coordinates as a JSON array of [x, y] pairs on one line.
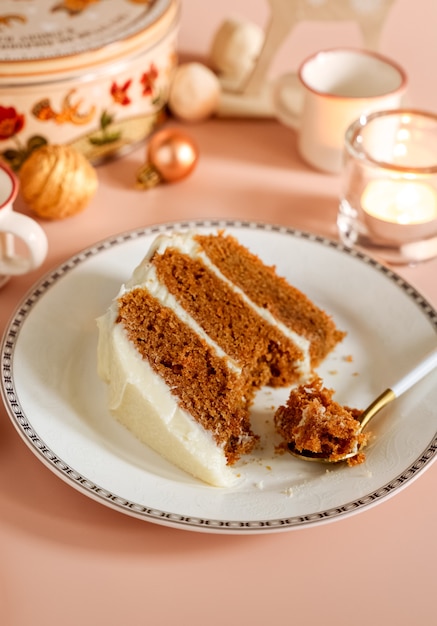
[[388, 201]]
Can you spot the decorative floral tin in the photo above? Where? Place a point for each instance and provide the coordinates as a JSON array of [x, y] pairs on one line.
[[93, 74]]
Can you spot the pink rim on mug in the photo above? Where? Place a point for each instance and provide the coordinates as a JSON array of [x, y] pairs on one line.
[[358, 51]]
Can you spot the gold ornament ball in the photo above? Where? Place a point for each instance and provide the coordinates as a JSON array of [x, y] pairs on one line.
[[171, 156], [57, 181]]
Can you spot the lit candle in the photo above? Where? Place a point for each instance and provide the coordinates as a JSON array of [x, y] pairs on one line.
[[400, 201], [398, 208]]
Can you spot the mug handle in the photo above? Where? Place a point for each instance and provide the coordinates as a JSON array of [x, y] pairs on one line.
[[288, 100], [31, 234]]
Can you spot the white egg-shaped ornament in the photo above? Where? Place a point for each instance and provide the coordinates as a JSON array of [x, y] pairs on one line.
[[235, 48], [194, 92]]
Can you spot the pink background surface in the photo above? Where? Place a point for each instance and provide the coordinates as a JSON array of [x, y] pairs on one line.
[[68, 560]]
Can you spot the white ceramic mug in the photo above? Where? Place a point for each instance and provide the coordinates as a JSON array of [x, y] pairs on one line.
[[13, 224], [332, 89]]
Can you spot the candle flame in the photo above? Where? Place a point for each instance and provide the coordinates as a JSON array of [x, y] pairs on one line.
[[400, 201]]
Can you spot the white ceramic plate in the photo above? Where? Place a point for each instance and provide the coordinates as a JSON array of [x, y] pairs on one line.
[[57, 403]]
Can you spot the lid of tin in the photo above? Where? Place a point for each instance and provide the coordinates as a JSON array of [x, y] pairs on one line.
[[44, 37]]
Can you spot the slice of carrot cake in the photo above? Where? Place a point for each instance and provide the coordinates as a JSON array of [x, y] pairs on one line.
[[198, 329]]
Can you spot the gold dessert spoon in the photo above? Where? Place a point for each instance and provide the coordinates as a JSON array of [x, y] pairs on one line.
[[419, 371]]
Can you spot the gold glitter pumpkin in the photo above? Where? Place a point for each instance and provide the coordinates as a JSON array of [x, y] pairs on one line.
[[57, 181]]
